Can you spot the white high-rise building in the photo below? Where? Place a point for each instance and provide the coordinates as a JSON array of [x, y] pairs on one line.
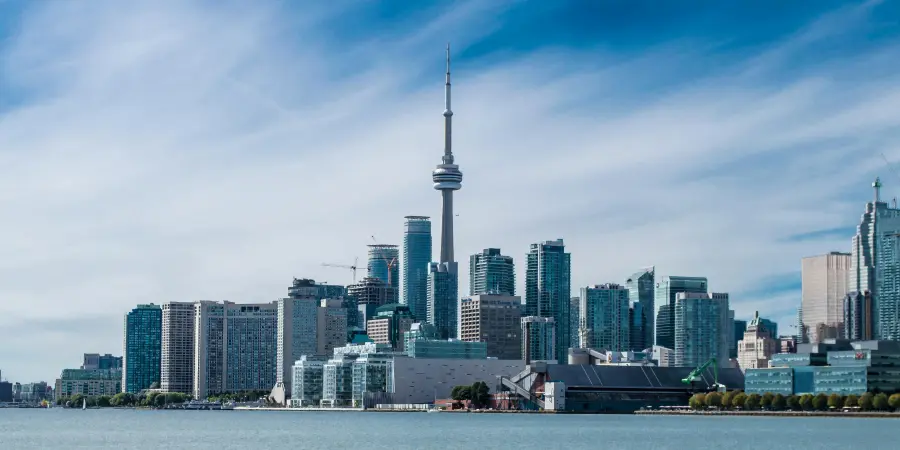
[[234, 347], [825, 282], [177, 374]]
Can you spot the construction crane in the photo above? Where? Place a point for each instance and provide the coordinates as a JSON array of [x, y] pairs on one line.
[[344, 266], [391, 266], [697, 374]]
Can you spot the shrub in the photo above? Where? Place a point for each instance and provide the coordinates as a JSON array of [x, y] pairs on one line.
[[697, 401], [835, 401], [778, 402], [894, 401], [820, 402], [806, 402], [880, 402], [793, 403], [752, 402], [865, 401], [713, 400], [766, 400]]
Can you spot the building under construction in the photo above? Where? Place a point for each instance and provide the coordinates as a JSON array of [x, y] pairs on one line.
[[604, 388]]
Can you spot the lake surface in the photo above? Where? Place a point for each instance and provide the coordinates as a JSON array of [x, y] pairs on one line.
[[226, 430]]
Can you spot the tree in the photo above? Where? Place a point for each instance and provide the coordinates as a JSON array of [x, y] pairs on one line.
[[835, 401], [820, 402], [713, 400], [739, 399], [76, 400], [752, 402], [851, 401], [778, 402], [460, 393], [727, 399], [806, 402], [894, 402], [865, 401], [697, 401], [793, 403], [481, 394], [103, 401], [880, 402], [766, 400]]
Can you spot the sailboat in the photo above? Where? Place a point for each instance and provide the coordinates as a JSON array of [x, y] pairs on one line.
[[84, 404]]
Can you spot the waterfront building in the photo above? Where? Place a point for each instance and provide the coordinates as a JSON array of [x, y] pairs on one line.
[[443, 287], [420, 381], [389, 324], [605, 311], [757, 346], [494, 319], [35, 393], [664, 302], [98, 361], [825, 282], [331, 326], [142, 352], [445, 349], [858, 314], [414, 265], [235, 347], [88, 382], [873, 262], [490, 272], [384, 264], [6, 392], [372, 373], [177, 368], [308, 381], [548, 280], [641, 295], [337, 381], [699, 331], [538, 339]]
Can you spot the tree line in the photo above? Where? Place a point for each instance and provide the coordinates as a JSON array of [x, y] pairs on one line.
[[124, 399], [805, 402], [478, 393]]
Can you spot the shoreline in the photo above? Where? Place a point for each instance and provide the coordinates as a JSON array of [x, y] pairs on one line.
[[865, 415]]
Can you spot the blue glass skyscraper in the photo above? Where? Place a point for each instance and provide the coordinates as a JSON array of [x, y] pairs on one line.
[[604, 312], [640, 293], [414, 265], [664, 301], [142, 352], [384, 264], [548, 280]]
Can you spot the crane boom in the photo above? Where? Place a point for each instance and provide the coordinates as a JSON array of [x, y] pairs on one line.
[[697, 374]]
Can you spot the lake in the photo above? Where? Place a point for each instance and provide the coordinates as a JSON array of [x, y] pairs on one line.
[[225, 430]]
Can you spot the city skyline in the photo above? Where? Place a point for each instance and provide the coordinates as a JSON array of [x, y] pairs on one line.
[[168, 216]]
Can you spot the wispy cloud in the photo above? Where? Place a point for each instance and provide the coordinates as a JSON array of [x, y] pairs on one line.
[[173, 151]]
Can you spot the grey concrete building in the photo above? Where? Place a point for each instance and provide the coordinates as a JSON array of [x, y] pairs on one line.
[[494, 319]]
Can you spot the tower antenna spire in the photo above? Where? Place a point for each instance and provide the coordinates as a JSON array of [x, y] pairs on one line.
[[448, 115]]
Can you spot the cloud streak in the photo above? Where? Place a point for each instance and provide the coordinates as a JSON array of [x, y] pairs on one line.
[[170, 151]]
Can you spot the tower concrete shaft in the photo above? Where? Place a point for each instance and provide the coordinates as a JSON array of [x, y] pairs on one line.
[[446, 176]]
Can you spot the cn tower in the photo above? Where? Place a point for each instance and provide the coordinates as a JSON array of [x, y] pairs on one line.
[[446, 176]]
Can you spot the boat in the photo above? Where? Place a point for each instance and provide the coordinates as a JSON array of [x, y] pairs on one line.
[[84, 404], [431, 410]]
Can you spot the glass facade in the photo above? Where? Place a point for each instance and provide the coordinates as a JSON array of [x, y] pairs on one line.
[[740, 326], [605, 312], [698, 328], [308, 381], [548, 280], [776, 381], [448, 349], [338, 381], [443, 298], [384, 264], [641, 295], [664, 302], [491, 272], [538, 340], [414, 265], [142, 357], [371, 373]]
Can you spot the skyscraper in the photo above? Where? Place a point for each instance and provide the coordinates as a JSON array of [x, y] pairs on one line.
[[443, 276], [858, 316], [874, 259], [825, 280], [384, 264], [664, 302], [494, 319], [177, 373], [491, 272], [539, 339], [548, 280], [414, 265], [141, 355], [604, 309], [757, 346], [698, 329], [740, 326], [640, 291]]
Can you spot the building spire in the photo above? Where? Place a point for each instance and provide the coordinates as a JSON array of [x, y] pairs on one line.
[[448, 115], [876, 184]]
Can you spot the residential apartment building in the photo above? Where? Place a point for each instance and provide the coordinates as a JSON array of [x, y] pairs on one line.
[[142, 348], [494, 319], [177, 368], [548, 280], [606, 316]]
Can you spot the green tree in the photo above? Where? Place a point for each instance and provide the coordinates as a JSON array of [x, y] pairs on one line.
[[481, 394], [894, 402], [865, 401], [820, 402], [739, 399], [713, 400], [778, 403], [697, 401], [851, 401], [76, 400], [460, 393], [727, 399], [806, 402], [793, 403], [766, 400], [880, 402], [103, 401], [835, 401], [752, 402]]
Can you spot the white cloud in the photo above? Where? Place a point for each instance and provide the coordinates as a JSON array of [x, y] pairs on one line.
[[171, 152]]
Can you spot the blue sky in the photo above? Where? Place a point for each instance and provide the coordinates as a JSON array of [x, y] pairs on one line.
[[177, 150]]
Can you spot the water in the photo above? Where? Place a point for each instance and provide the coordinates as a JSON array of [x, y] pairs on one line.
[[226, 430]]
